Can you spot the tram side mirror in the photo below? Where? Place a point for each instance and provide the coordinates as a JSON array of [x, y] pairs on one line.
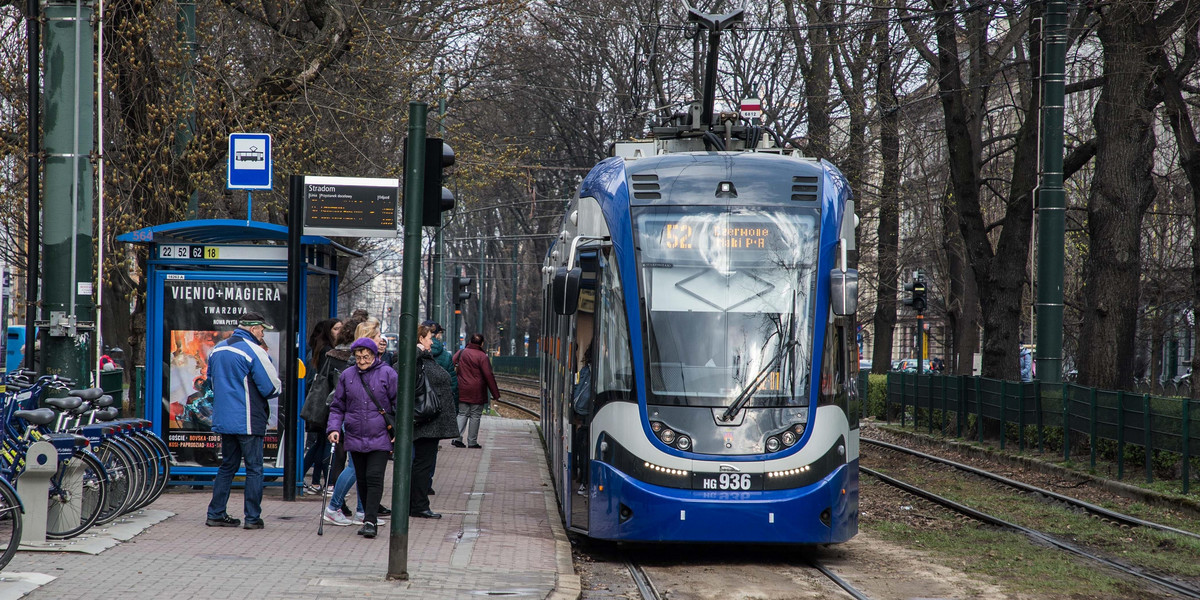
[[564, 290], [843, 291]]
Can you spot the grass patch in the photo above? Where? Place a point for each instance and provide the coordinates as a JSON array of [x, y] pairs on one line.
[[1011, 559]]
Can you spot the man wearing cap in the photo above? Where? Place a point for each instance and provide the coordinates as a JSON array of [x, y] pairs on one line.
[[243, 379]]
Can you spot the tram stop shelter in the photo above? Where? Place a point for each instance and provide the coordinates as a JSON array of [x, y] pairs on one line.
[[202, 275]]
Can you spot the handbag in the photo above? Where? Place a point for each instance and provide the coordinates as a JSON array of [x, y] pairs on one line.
[[388, 419], [426, 405], [318, 398]]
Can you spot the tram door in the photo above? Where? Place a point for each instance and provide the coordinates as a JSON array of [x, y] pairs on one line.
[[582, 391]]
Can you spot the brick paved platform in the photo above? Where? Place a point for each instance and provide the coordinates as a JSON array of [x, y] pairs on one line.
[[500, 535]]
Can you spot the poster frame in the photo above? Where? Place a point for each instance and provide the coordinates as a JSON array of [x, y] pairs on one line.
[[154, 392]]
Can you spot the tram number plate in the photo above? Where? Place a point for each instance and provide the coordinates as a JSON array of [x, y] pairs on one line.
[[727, 482]]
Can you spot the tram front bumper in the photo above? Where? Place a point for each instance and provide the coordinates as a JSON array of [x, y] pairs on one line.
[[623, 508]]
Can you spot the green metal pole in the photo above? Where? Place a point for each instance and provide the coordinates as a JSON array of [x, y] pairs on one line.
[[1051, 197], [1148, 428], [185, 129], [1120, 435], [512, 308], [482, 279], [67, 242], [439, 280], [410, 303], [1003, 417], [1187, 441], [1066, 422], [1092, 427]]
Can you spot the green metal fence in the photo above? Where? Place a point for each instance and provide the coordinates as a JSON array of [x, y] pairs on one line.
[[516, 365], [1122, 427]]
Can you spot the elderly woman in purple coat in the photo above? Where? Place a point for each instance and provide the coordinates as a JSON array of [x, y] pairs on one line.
[[361, 397]]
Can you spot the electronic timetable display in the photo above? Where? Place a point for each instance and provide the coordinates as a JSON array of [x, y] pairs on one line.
[[350, 206]]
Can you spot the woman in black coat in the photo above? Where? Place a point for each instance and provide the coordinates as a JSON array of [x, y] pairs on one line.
[[427, 435], [323, 339]]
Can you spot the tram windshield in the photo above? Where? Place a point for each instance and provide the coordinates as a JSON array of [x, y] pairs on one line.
[[729, 303]]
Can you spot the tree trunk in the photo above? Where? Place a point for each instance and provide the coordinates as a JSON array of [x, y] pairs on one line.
[[1121, 192], [888, 243], [962, 306]]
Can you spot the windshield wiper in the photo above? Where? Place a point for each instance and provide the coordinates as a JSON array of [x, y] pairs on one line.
[[759, 379]]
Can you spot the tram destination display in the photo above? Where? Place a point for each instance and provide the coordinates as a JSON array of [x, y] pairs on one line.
[[350, 206]]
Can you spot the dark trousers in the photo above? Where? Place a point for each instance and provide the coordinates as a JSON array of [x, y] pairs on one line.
[[370, 466], [317, 458], [424, 458], [234, 450], [337, 462]]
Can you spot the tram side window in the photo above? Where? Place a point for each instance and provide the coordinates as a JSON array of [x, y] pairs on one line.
[[832, 362], [614, 365]]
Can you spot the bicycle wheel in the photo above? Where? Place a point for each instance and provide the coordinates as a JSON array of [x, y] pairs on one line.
[[160, 458], [10, 523], [78, 490], [122, 481], [164, 464], [145, 459]]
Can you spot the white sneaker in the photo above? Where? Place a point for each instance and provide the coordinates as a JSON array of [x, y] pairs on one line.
[[360, 516], [335, 517]]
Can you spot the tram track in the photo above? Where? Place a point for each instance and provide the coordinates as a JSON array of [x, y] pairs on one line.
[[523, 407], [1090, 508], [1168, 583], [649, 591]]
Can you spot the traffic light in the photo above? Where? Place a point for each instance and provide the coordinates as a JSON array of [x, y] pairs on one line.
[[462, 289], [915, 289], [437, 199]]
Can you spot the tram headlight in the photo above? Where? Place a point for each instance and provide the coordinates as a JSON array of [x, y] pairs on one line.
[[799, 429], [684, 443], [788, 437], [655, 426], [772, 444], [667, 436]]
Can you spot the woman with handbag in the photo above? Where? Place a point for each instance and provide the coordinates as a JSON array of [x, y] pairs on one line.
[[431, 379], [364, 408], [320, 342]]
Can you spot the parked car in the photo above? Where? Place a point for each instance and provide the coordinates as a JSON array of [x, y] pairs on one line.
[[864, 365]]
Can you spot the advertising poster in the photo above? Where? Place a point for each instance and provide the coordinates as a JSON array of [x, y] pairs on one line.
[[197, 315]]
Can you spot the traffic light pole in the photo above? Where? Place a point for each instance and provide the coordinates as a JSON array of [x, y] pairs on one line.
[[1051, 197], [410, 302]]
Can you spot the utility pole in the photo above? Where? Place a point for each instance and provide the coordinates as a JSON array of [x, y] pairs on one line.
[[33, 205], [512, 307], [1051, 197], [438, 282], [67, 242], [410, 301], [185, 129]]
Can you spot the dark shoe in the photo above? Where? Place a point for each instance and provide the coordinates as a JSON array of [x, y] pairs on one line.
[[253, 524], [225, 521], [476, 446], [368, 530], [432, 493], [458, 444], [383, 511], [424, 514], [346, 510]]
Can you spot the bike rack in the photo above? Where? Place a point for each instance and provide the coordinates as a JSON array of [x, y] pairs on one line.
[[41, 462]]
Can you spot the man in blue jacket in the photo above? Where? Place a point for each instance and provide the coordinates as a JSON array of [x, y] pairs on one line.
[[243, 379]]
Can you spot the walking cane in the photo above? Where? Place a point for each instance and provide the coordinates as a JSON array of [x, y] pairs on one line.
[[325, 495]]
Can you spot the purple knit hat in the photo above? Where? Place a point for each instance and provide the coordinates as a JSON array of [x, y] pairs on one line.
[[365, 342]]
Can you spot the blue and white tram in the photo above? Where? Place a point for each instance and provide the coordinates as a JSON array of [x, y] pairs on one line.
[[700, 356]]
